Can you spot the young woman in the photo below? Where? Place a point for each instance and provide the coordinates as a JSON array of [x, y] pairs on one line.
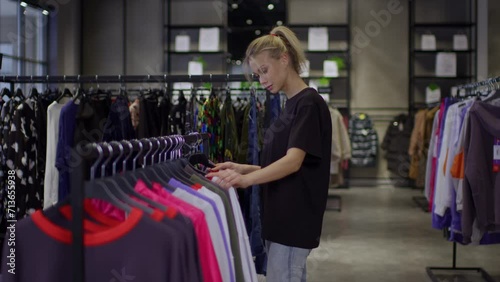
[[295, 160]]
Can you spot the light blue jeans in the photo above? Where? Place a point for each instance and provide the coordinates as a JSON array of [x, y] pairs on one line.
[[286, 264]]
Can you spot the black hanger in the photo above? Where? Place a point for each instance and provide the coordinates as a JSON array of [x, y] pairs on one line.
[[495, 95], [197, 158], [66, 93], [79, 95], [19, 95], [33, 93], [115, 188], [97, 190], [6, 94]]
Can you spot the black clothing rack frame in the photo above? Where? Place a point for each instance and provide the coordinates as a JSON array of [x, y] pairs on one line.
[[80, 173], [430, 269], [470, 87]]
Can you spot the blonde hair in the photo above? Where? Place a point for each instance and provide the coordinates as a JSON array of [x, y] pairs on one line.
[[280, 40]]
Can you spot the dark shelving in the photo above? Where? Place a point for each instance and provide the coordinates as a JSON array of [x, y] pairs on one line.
[[467, 69], [443, 77], [174, 26], [442, 51], [319, 25], [321, 77], [326, 51], [443, 25], [197, 52]]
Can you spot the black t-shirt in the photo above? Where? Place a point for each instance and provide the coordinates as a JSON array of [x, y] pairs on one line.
[[293, 207]]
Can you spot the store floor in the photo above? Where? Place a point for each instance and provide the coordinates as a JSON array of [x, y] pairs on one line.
[[381, 235]]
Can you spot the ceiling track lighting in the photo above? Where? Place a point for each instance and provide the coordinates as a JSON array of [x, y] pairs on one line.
[[45, 9]]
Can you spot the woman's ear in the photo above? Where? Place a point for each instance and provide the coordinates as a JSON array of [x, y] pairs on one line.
[[284, 58]]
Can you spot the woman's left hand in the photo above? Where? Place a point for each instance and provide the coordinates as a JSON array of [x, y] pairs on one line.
[[228, 178]]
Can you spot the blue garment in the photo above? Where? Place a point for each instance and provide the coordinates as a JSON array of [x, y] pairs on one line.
[[275, 107], [119, 123], [252, 219], [67, 125]]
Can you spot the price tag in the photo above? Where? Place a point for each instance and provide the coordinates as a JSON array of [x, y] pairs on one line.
[[496, 155]]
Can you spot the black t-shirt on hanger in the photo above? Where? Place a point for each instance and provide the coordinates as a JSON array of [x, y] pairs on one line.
[[293, 207]]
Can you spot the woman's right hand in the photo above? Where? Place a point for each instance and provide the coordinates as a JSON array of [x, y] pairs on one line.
[[227, 165]]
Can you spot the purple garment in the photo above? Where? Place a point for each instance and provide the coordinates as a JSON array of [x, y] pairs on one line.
[[67, 125], [456, 228], [179, 185], [481, 190]]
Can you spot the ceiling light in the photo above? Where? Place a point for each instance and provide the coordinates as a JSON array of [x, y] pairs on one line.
[[45, 12], [270, 7], [24, 4], [257, 32], [234, 6], [279, 23], [249, 22]]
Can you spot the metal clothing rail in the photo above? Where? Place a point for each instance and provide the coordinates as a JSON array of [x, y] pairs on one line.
[[488, 82], [81, 79]]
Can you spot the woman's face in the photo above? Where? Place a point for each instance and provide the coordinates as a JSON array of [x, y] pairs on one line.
[[272, 72]]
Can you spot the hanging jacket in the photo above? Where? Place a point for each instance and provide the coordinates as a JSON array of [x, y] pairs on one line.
[[119, 123], [416, 149], [396, 143], [341, 144], [24, 156], [364, 141], [229, 131]]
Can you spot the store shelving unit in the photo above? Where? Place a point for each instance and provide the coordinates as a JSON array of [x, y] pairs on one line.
[[446, 22]]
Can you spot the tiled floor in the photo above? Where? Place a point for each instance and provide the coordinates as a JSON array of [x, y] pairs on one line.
[[381, 235]]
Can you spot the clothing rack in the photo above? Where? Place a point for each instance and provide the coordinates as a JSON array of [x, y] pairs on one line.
[[90, 152], [473, 89], [78, 175], [492, 82]]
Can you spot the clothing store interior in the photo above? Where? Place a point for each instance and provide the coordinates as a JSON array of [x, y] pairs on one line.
[[114, 112]]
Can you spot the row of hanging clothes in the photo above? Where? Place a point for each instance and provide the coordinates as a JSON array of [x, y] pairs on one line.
[[150, 215], [39, 133], [463, 162]]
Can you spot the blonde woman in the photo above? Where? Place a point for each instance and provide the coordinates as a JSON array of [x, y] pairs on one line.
[[295, 160]]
